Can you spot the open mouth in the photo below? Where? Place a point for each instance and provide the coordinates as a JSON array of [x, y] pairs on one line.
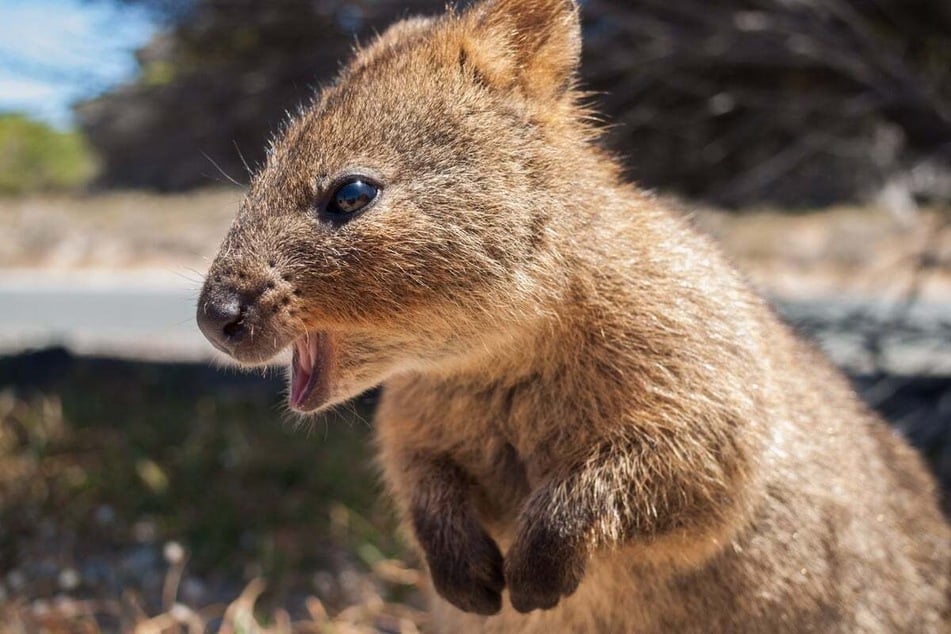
[[310, 387]]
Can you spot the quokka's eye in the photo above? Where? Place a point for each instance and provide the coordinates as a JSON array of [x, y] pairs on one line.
[[351, 196]]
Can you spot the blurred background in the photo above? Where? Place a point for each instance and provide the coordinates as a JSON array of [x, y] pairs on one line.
[[143, 487]]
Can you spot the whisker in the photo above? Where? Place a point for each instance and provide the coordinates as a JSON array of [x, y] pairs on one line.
[[223, 173]]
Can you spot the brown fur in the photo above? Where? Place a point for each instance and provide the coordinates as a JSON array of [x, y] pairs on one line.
[[589, 421]]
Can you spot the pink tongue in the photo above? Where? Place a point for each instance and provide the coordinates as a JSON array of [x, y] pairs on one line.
[[299, 384], [302, 371]]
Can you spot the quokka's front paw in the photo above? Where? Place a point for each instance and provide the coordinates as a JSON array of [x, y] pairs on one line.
[[541, 568], [464, 562]]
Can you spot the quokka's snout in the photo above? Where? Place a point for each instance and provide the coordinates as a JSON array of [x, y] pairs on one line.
[[243, 310]]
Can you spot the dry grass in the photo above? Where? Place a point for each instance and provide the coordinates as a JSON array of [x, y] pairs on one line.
[[140, 497], [115, 230], [242, 616], [861, 251]]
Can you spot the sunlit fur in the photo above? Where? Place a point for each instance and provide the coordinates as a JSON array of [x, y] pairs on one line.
[[583, 402]]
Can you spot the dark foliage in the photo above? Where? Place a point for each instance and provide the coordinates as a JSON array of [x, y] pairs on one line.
[[737, 101], [220, 82], [795, 101]]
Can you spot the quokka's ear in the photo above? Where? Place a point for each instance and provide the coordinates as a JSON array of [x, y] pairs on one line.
[[531, 44]]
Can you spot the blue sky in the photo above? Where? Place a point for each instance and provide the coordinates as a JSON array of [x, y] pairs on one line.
[[55, 52]]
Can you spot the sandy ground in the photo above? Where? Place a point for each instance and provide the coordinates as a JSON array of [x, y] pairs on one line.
[[163, 239]]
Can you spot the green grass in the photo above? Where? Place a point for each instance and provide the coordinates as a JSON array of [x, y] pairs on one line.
[[36, 158]]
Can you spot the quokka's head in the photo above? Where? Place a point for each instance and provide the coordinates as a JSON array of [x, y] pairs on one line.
[[404, 219]]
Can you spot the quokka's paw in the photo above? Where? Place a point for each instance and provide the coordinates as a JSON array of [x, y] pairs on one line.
[[541, 568], [466, 566]]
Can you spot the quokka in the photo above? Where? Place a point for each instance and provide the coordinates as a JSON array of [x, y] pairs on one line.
[[589, 422]]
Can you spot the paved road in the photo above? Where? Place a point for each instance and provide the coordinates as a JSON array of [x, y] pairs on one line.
[[152, 316], [866, 336], [121, 316]]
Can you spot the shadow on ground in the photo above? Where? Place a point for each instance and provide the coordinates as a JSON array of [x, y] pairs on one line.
[[111, 470]]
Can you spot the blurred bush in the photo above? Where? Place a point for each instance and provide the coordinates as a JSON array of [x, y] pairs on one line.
[[795, 102], [35, 157]]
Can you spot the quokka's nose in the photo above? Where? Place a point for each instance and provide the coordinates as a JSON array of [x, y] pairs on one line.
[[221, 318]]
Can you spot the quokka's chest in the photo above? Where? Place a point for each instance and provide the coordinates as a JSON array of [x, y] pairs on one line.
[[506, 438]]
